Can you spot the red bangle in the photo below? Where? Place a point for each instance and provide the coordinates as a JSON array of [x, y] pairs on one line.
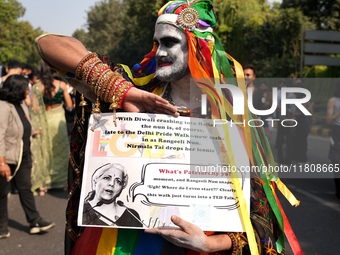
[[95, 74], [88, 68], [121, 89]]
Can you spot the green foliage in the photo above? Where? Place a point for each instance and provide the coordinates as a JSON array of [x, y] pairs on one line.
[[105, 26], [16, 37], [139, 25], [269, 38], [121, 30], [252, 31], [321, 71], [325, 14]]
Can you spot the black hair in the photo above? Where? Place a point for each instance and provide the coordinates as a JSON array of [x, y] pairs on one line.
[[14, 64], [249, 66], [14, 89], [56, 75], [26, 66], [47, 80], [287, 82], [35, 72]]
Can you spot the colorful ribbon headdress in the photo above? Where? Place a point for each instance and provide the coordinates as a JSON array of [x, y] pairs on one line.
[[208, 60]]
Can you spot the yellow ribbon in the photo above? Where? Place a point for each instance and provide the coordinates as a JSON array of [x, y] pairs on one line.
[[287, 193], [141, 81], [237, 185]]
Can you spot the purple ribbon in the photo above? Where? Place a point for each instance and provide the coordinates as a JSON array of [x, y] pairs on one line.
[[173, 6], [203, 23]]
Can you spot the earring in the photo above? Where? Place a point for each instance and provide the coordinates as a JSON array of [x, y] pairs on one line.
[[96, 111], [82, 104], [113, 107]]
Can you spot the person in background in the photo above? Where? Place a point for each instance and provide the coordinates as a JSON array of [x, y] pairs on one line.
[[258, 100], [41, 147], [34, 77], [69, 112], [13, 67], [333, 118], [15, 154], [266, 100], [54, 94], [26, 70], [285, 135], [2, 72], [302, 128], [249, 76]]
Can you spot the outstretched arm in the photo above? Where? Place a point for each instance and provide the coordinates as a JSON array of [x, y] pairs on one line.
[[62, 52], [65, 53]]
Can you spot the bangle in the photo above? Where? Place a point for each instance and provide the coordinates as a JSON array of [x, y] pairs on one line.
[[82, 62], [108, 85], [122, 88], [234, 243], [87, 69], [2, 164]]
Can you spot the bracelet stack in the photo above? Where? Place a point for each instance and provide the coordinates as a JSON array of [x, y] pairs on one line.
[[234, 243], [110, 86]]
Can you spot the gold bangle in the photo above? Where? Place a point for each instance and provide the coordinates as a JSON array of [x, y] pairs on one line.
[[112, 76], [81, 64], [97, 72], [101, 81], [88, 67], [234, 243], [111, 85]]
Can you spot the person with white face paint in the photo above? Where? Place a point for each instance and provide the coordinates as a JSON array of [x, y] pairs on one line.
[[172, 54], [185, 49]]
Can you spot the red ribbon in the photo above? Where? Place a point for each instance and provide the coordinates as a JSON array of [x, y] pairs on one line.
[[294, 243]]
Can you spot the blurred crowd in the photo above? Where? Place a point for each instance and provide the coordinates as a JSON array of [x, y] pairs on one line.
[[37, 112], [51, 103]]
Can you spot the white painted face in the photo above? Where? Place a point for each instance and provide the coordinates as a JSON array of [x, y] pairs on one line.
[[172, 55]]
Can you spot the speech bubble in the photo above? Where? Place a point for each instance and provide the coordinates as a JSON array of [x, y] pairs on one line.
[[167, 184]]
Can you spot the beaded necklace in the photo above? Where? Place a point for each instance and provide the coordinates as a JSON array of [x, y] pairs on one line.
[[168, 97]]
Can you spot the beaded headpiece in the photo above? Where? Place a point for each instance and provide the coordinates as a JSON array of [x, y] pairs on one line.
[[187, 16]]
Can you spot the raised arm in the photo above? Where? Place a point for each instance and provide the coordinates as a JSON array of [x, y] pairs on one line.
[[65, 53], [62, 52]]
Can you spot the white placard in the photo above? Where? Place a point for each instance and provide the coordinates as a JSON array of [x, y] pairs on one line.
[[175, 166]]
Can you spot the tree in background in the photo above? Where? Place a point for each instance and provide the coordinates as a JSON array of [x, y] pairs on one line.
[[325, 14], [105, 26], [121, 30], [139, 26], [268, 37], [16, 37]]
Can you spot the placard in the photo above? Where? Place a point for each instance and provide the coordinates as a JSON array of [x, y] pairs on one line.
[[151, 166]]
